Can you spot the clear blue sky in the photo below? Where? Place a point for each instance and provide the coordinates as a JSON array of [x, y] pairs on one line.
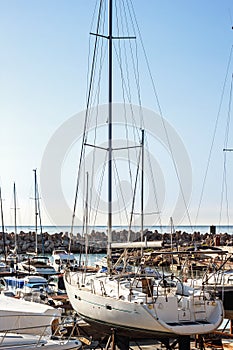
[[43, 60]]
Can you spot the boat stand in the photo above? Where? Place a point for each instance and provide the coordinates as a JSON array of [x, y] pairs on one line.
[[116, 341], [119, 342], [182, 341]]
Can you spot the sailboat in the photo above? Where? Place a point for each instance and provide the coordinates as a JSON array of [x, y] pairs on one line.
[[136, 304], [34, 263], [28, 317], [29, 325], [13, 256], [4, 268]]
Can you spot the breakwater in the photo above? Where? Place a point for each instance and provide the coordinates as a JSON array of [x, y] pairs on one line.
[[97, 240]]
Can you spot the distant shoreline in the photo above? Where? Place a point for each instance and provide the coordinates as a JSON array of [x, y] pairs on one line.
[[52, 229], [97, 239]]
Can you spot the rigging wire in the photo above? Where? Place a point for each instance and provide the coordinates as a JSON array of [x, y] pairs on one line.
[[214, 135], [134, 192], [135, 64], [225, 150], [135, 67], [126, 88], [136, 76], [101, 54], [126, 83], [119, 195], [123, 90], [126, 92], [85, 126], [97, 98], [161, 116], [89, 49], [154, 187], [97, 202], [83, 204], [40, 218]]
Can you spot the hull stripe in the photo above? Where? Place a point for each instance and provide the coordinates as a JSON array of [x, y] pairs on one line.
[[104, 306]]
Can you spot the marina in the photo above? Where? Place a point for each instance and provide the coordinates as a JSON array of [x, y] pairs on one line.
[[116, 277], [98, 337]]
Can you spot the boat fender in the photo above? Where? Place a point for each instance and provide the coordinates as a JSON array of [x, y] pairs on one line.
[[55, 326]]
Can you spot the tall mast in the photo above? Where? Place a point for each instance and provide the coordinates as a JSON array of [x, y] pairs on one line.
[[3, 229], [40, 221], [15, 218], [109, 251], [142, 191], [36, 210], [86, 219], [172, 229]]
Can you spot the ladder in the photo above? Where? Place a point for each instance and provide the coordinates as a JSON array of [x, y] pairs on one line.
[[199, 307]]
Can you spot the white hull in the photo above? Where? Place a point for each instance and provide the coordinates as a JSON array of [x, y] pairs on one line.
[[106, 302], [41, 271], [26, 317], [37, 265], [62, 259]]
